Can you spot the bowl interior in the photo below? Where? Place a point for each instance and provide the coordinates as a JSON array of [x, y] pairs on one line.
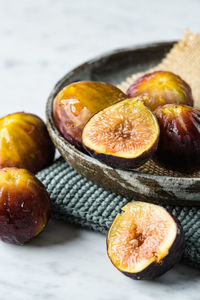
[[144, 183]]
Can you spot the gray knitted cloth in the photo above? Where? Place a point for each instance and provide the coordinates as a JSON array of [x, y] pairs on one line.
[[78, 200]]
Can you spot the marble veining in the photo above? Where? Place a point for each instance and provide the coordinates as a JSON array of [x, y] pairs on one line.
[[39, 42]]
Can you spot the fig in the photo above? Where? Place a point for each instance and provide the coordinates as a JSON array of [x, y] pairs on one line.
[[123, 136], [76, 103], [24, 206], [25, 142], [145, 241], [179, 143], [159, 88]]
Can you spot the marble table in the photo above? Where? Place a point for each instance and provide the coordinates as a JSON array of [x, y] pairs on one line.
[[39, 42]]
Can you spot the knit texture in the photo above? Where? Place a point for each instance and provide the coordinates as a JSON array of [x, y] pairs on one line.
[[78, 200]]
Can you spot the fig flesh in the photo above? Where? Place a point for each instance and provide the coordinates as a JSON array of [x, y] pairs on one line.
[[159, 88], [25, 142], [76, 103], [144, 241], [179, 143], [123, 136], [24, 206]]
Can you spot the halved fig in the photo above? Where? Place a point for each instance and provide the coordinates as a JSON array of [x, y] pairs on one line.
[[159, 88], [76, 103], [123, 136], [145, 240], [179, 143]]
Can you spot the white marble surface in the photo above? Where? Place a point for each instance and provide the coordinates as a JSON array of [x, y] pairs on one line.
[[39, 42]]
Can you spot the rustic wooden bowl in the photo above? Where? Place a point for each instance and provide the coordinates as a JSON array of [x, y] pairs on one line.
[[114, 67]]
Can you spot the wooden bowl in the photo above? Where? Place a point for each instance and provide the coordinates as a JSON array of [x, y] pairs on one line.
[[114, 67]]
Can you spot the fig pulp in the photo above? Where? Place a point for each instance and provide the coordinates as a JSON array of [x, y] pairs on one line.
[[24, 206], [24, 142], [179, 143], [159, 88], [123, 135], [78, 102], [144, 241]]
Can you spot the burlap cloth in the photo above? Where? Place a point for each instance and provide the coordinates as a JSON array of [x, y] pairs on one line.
[[79, 201]]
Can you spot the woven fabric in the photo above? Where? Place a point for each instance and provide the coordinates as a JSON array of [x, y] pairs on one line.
[[78, 200]]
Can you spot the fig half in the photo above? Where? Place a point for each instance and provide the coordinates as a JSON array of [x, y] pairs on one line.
[[76, 103], [145, 241], [159, 88], [123, 136]]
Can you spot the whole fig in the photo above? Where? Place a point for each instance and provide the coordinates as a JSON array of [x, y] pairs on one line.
[[179, 143], [24, 206], [161, 87], [25, 142]]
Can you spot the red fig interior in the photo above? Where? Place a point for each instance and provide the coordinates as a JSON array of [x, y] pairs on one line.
[[126, 129], [141, 235]]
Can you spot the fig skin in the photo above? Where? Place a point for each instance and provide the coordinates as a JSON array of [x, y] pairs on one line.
[[156, 269], [120, 162], [106, 156], [159, 88], [24, 206], [76, 103], [25, 142], [179, 143]]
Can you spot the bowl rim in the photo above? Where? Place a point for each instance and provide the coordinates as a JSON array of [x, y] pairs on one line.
[[51, 126]]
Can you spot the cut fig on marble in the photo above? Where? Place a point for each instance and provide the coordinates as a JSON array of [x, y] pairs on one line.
[[145, 241]]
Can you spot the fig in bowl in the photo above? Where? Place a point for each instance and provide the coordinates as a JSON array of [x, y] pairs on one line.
[[76, 103], [124, 135], [179, 143], [25, 142], [145, 240], [24, 206], [161, 87]]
